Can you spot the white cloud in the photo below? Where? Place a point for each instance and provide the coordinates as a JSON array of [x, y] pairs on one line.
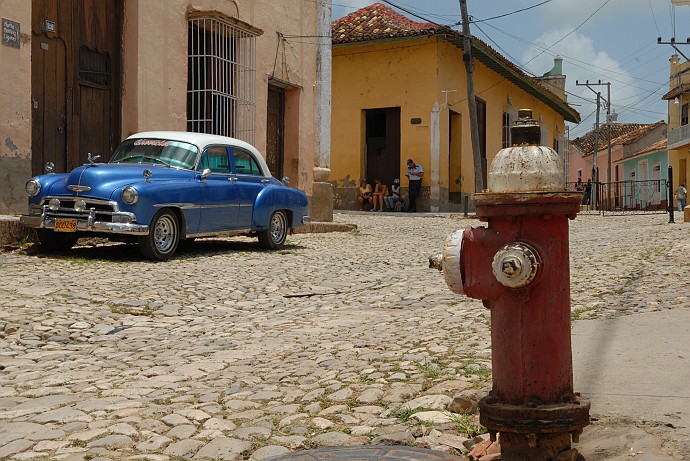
[[582, 61]]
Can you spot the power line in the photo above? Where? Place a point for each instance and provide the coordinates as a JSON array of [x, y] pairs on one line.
[[571, 32], [508, 14]]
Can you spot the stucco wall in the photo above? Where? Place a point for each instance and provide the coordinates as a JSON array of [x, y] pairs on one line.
[[413, 75], [155, 63], [15, 110]]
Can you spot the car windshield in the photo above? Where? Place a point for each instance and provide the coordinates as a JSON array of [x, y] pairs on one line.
[[157, 151]]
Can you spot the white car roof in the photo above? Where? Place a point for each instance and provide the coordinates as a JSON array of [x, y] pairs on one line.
[[201, 140]]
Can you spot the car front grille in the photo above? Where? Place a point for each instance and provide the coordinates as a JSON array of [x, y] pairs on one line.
[[102, 210]]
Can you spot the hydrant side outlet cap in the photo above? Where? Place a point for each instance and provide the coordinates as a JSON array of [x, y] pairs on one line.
[[526, 168]]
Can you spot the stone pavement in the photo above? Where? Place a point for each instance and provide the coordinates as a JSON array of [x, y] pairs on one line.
[[228, 352]]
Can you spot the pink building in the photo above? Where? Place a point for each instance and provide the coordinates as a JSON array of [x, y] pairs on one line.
[[626, 139]]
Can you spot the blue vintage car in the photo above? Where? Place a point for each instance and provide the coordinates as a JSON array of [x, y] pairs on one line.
[[163, 187]]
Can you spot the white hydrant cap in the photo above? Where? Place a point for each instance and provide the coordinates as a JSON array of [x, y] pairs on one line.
[[526, 166]]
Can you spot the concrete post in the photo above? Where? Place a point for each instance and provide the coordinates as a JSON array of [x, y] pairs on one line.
[[321, 206]]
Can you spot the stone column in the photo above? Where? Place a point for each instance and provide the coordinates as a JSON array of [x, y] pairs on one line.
[[321, 207]]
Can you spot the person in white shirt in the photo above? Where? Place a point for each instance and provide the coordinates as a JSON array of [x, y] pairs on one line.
[[394, 197], [681, 196], [414, 174]]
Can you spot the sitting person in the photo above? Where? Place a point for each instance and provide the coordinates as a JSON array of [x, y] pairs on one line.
[[394, 197], [380, 191], [364, 194]]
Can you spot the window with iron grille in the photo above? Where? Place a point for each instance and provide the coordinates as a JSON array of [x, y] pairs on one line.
[[505, 138], [221, 79]]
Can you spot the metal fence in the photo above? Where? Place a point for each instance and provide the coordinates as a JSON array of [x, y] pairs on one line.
[[626, 197]]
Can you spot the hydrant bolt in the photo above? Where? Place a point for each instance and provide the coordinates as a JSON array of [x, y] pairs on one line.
[[511, 267], [515, 265]]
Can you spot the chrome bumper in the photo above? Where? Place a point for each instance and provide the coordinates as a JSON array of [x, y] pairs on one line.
[[85, 225]]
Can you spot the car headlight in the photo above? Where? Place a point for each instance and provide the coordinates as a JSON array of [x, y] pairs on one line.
[[80, 205], [130, 195], [33, 187]]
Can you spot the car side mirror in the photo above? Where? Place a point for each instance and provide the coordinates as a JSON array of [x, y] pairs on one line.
[[205, 173]]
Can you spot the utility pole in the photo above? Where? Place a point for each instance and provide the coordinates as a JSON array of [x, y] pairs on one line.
[[596, 144], [474, 126]]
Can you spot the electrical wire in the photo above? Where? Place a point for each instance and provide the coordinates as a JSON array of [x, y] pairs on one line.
[[569, 33], [508, 14]]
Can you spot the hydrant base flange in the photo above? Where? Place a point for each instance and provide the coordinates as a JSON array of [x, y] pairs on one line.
[[571, 417]]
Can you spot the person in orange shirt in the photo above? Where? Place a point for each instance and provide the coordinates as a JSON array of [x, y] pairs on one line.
[[380, 191]]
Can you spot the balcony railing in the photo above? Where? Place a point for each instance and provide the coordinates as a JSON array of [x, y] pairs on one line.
[[678, 136]]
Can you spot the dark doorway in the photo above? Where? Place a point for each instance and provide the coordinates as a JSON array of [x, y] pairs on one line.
[[75, 87], [455, 178], [383, 145], [275, 131]]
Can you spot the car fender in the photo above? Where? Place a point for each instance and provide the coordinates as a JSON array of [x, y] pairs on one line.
[[155, 195], [274, 198], [47, 181]]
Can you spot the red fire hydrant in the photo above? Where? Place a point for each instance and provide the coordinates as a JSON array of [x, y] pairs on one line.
[[518, 265]]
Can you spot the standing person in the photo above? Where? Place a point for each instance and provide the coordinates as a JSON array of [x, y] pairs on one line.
[[380, 191], [414, 173], [588, 193], [364, 193], [579, 186], [394, 197], [681, 196]]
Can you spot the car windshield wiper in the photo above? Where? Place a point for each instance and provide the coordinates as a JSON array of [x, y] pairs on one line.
[[144, 157]]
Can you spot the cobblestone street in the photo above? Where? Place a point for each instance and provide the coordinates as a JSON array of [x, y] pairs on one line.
[[230, 352]]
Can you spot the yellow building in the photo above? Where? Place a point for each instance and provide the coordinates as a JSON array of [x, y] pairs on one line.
[[400, 91], [678, 127]]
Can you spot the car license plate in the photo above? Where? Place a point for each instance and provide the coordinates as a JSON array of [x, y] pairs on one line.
[[65, 225]]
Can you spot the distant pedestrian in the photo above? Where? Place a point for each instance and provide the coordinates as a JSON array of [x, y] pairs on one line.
[[414, 173], [579, 186], [681, 196], [587, 197]]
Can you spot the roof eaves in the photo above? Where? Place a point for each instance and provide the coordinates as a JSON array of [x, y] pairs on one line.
[[380, 39]]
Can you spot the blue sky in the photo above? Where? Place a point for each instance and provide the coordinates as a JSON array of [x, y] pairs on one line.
[[609, 40]]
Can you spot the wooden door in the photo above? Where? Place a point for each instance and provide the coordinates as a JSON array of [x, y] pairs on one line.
[[75, 81], [49, 98], [275, 131]]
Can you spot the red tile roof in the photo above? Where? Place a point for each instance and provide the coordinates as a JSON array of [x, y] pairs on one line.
[[379, 22], [677, 91], [657, 146], [621, 133], [375, 22]]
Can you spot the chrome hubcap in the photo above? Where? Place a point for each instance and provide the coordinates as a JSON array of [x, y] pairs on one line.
[[278, 227], [164, 234]]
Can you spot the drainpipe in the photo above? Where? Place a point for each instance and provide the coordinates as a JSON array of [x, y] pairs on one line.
[[434, 179]]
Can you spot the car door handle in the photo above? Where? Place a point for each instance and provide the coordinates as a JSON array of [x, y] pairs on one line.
[[265, 181], [232, 178]]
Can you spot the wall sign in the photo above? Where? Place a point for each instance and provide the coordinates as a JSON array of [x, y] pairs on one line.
[[10, 33]]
